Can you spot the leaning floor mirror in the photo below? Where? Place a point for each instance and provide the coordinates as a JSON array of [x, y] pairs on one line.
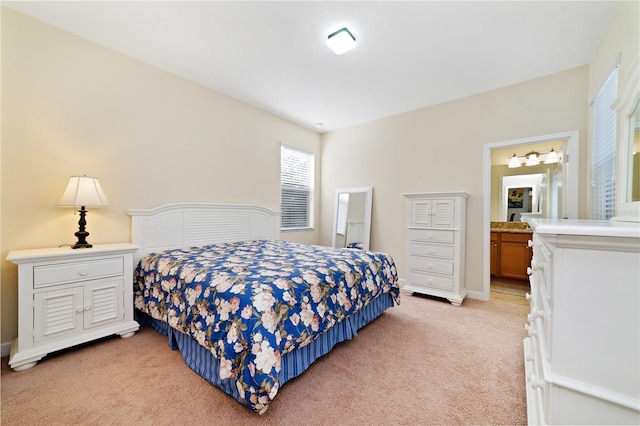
[[352, 218]]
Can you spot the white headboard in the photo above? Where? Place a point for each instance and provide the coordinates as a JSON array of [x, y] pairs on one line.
[[194, 224]]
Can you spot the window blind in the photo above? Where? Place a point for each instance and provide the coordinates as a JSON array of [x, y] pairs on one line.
[[296, 188], [603, 150]]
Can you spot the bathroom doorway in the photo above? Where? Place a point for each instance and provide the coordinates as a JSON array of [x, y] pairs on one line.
[[565, 182]]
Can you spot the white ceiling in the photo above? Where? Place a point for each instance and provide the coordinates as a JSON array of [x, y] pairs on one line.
[[410, 54]]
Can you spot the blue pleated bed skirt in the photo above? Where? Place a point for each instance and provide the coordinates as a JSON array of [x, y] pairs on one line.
[[200, 359]]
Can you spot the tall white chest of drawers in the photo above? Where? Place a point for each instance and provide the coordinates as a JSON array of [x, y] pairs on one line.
[[582, 356], [67, 297], [435, 244]]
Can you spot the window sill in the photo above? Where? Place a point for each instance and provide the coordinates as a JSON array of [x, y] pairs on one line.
[[296, 229]]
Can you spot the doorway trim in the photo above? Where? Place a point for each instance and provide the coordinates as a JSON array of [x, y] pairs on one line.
[[570, 199]]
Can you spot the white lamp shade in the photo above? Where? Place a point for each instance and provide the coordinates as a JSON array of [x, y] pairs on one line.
[[514, 162], [532, 159], [552, 157], [341, 41], [83, 191]]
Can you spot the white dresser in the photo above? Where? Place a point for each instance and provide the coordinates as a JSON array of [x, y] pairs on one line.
[[67, 297], [582, 356], [435, 244]]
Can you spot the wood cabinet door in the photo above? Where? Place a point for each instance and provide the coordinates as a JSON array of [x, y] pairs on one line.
[[515, 256]]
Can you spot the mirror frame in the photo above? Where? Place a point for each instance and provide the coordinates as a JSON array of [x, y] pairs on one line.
[[368, 191], [624, 105]]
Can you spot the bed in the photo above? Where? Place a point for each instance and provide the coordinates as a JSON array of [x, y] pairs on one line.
[[249, 311]]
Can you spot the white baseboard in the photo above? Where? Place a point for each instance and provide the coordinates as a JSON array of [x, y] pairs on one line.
[[470, 294], [5, 349], [477, 295]]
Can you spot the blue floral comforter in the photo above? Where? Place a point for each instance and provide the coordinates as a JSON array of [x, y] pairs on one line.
[[251, 302]]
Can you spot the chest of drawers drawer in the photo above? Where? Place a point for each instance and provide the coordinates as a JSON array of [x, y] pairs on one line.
[[427, 280], [418, 248], [431, 235], [431, 265], [54, 274]]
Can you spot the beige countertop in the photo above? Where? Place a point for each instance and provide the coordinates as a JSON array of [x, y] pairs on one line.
[[511, 227]]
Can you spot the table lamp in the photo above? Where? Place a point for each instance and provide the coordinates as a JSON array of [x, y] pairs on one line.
[[83, 191]]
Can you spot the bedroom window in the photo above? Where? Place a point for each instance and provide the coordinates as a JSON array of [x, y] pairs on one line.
[[603, 150], [296, 188]]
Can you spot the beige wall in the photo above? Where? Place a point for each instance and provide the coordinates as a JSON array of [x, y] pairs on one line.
[[440, 148], [72, 107], [622, 39]]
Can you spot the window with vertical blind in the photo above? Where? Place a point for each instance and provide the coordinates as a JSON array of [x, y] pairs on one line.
[[296, 188], [603, 150]]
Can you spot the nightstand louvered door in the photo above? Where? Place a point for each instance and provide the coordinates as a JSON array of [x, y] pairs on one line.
[[62, 313]]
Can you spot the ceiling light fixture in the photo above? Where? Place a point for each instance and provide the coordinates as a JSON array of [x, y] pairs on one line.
[[341, 41], [533, 158]]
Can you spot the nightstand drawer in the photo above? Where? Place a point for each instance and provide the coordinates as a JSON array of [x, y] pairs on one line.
[[46, 275]]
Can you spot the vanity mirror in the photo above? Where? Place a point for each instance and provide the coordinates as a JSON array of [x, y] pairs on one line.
[[352, 218], [628, 163]]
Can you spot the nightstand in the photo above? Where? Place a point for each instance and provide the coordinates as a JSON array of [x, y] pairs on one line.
[[67, 297]]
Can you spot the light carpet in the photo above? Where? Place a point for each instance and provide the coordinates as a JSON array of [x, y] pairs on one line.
[[423, 362]]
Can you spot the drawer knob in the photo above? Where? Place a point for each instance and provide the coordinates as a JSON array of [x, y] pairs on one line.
[[83, 272], [535, 313], [529, 243], [536, 265], [430, 266], [527, 296], [535, 382], [79, 309], [529, 270], [87, 308], [431, 251], [429, 281], [430, 236], [530, 330]]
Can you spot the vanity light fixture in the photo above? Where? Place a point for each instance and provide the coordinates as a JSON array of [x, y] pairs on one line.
[[83, 191], [533, 158], [341, 41]]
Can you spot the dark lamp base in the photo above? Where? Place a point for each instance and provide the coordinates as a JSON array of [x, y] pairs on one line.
[[82, 234], [81, 245]]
